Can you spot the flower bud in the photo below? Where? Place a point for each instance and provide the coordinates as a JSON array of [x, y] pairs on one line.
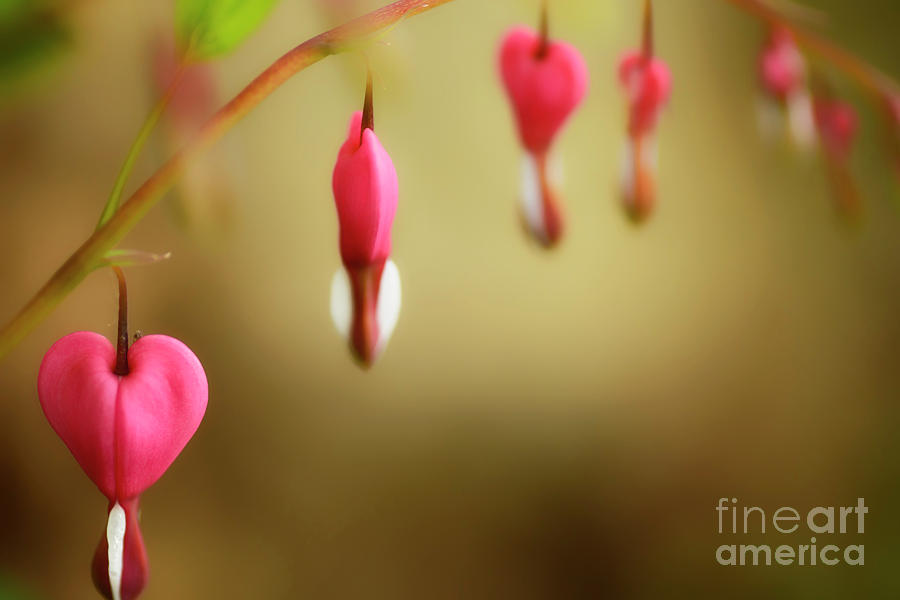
[[545, 81], [365, 294], [647, 83]]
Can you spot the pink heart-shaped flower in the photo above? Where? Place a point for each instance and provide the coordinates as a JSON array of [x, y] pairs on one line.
[[123, 431], [544, 88]]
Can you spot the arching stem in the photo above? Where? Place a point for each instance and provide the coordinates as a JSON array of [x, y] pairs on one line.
[[90, 254], [112, 203], [647, 45], [122, 339]]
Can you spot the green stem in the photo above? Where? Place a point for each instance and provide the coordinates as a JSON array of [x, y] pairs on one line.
[[112, 203], [92, 251]]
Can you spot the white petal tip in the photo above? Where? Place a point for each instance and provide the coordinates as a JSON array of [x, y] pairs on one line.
[[115, 540], [387, 310], [341, 302], [389, 301]]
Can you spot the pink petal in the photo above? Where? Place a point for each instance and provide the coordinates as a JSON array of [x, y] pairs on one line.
[[544, 91], [124, 432], [365, 193]]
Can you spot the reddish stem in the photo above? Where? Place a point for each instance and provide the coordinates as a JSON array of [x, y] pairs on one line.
[[368, 115], [648, 31], [122, 339], [870, 78], [87, 257], [544, 30]]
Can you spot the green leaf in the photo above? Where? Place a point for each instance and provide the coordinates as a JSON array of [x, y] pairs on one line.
[[29, 39], [209, 28]]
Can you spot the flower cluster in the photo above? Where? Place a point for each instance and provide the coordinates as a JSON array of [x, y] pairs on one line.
[[126, 413]]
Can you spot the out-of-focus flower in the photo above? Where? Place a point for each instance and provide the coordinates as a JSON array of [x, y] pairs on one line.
[[545, 80], [648, 84], [836, 124], [783, 79], [365, 293], [203, 196]]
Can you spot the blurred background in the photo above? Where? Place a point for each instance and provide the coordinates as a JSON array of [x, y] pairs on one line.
[[542, 425]]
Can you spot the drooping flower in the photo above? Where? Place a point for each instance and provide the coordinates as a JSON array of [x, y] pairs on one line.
[[545, 81], [125, 415], [783, 79], [647, 83], [836, 124], [365, 293]]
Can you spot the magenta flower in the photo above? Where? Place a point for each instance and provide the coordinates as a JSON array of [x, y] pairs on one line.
[[545, 80], [125, 415], [782, 76], [647, 83], [365, 294], [782, 70], [836, 124]]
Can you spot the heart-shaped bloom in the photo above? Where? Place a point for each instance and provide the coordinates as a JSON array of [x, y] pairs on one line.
[[647, 83], [782, 77], [365, 294], [545, 81], [782, 70], [124, 431]]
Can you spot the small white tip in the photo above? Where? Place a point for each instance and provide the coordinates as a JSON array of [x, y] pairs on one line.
[[801, 120], [769, 118], [387, 311], [341, 302], [389, 300], [115, 540], [531, 199]]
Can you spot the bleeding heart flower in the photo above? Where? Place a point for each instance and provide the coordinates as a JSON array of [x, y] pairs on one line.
[[647, 83], [836, 123], [782, 70], [782, 76], [125, 416], [545, 80], [365, 294]]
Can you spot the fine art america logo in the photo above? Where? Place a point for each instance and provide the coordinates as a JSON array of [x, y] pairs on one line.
[[821, 520]]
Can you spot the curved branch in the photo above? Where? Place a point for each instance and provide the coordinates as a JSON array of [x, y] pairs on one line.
[[867, 76], [91, 253]]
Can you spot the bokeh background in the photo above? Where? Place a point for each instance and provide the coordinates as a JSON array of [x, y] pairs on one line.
[[542, 425]]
